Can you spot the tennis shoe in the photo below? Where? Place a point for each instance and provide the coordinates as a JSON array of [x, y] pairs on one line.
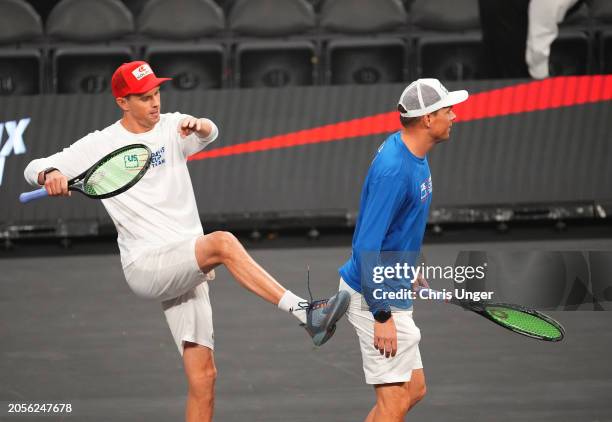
[[322, 316]]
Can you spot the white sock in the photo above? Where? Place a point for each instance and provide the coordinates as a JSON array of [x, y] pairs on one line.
[[290, 303]]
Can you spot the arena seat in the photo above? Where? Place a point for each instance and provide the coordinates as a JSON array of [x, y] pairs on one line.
[[275, 64], [362, 16], [135, 6], [226, 5], [353, 56], [86, 46], [261, 62], [451, 58], [448, 39], [601, 12], [605, 51], [365, 61], [571, 53], [445, 15], [252, 17], [21, 66], [176, 44]]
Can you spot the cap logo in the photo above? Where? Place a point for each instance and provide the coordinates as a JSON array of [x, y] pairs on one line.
[[142, 71]]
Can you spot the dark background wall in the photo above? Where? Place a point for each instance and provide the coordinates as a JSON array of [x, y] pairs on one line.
[[547, 156]]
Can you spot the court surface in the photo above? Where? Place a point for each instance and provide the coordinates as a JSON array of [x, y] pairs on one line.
[[72, 332]]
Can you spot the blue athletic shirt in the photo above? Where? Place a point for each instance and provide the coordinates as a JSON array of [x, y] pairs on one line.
[[392, 215]]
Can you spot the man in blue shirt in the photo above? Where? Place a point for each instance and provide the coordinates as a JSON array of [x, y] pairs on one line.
[[379, 274]]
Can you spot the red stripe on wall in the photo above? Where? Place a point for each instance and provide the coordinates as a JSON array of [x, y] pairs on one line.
[[521, 98]]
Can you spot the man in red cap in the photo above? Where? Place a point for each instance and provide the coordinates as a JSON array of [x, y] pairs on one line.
[[164, 253]]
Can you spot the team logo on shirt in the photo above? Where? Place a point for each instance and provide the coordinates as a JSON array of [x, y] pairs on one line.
[[426, 189], [158, 157]]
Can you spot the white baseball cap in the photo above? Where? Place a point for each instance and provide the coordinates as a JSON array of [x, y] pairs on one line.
[[425, 96]]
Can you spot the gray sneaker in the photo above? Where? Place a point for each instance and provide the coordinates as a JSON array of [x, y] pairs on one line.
[[322, 315]]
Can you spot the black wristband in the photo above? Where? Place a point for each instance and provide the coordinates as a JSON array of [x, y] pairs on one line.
[[382, 316], [47, 171]]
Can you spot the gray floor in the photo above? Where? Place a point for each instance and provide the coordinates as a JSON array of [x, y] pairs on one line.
[[72, 332]]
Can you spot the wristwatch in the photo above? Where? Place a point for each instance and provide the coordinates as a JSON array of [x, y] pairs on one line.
[[47, 171], [382, 316]]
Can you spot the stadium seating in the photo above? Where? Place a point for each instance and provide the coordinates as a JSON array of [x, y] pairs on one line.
[[264, 62], [353, 55], [267, 43], [571, 52], [605, 51], [176, 44], [21, 66], [135, 6], [86, 37], [601, 11], [448, 39]]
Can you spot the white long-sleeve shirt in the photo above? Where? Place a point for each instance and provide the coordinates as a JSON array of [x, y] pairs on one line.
[[161, 208]]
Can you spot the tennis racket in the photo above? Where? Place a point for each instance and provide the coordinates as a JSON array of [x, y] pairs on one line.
[[516, 318], [113, 174]]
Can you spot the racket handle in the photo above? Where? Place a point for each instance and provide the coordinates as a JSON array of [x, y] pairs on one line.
[[30, 196]]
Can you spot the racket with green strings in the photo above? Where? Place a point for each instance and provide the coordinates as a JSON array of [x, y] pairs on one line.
[[113, 174], [516, 318]]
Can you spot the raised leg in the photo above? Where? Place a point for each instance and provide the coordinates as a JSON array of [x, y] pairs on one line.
[[223, 248]]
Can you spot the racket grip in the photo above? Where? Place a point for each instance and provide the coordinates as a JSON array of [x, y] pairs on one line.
[[30, 196]]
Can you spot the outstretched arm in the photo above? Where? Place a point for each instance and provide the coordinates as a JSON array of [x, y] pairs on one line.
[[196, 134], [69, 163]]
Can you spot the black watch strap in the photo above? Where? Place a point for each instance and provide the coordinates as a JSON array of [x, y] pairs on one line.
[[47, 171], [382, 316]]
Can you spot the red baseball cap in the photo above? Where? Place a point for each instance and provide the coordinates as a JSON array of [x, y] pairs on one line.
[[134, 78]]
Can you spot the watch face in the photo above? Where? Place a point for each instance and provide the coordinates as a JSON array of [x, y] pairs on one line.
[[382, 316]]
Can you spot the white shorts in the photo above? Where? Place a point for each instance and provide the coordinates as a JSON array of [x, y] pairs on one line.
[[171, 275], [377, 368]]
